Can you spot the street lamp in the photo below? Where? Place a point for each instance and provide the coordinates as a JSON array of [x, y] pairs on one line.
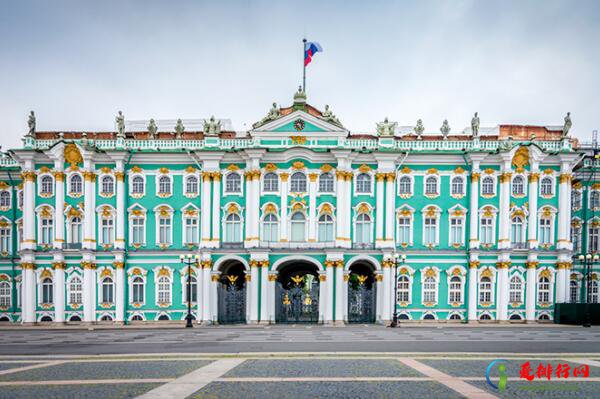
[[189, 260], [588, 260], [397, 259]]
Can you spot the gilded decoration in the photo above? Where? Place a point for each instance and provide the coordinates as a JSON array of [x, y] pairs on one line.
[[546, 273], [474, 264], [534, 177], [488, 211], [405, 212], [3, 185], [270, 167], [364, 168], [233, 208], [487, 272], [326, 209], [270, 208], [284, 176], [119, 265], [475, 177], [432, 171], [313, 177], [273, 277], [164, 211], [502, 265], [232, 167], [44, 169], [326, 168], [45, 273], [163, 271], [548, 171], [563, 265], [106, 170], [322, 277], [28, 176], [576, 223], [380, 177], [89, 176], [379, 278], [190, 169], [406, 170], [489, 171], [72, 154], [88, 265], [565, 178], [191, 212], [297, 206], [59, 265], [505, 177], [59, 175], [346, 278], [459, 170], [458, 213], [456, 271], [298, 165], [363, 208], [577, 186], [106, 272], [403, 270], [430, 273], [136, 169], [298, 140], [136, 272], [431, 211], [547, 212], [73, 212], [521, 157]]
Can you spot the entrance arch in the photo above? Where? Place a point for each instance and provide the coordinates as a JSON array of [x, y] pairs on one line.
[[297, 292], [362, 292], [231, 292]]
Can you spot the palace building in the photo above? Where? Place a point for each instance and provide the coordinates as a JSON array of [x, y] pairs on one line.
[[296, 220]]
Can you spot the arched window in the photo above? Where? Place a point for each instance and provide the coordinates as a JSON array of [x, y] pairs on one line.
[[107, 185], [193, 289], [429, 290], [543, 290], [516, 231], [455, 316], [576, 199], [404, 185], [363, 183], [164, 290], [546, 186], [325, 227], [107, 290], [233, 183], [515, 316], [270, 182], [595, 199], [75, 230], [191, 185], [518, 186], [326, 183], [233, 228], [4, 199], [75, 291], [20, 199], [403, 316], [298, 183], [164, 185], [403, 288], [455, 290], [298, 223], [270, 228], [137, 291], [431, 186], [47, 291], [137, 185], [485, 316], [363, 229], [106, 317], [485, 290], [573, 291], [515, 290], [46, 185], [137, 317], [76, 184], [75, 318], [487, 185], [486, 230], [5, 294], [429, 316], [545, 231], [163, 317], [457, 186]]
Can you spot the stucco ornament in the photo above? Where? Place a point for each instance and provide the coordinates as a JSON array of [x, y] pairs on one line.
[[506, 145], [567, 125], [212, 127], [120, 121], [152, 128], [475, 125], [329, 116], [445, 129], [179, 129], [31, 124], [419, 129], [386, 128], [273, 114]]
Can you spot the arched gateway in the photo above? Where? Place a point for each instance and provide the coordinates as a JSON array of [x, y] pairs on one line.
[[362, 297], [231, 292], [297, 293]]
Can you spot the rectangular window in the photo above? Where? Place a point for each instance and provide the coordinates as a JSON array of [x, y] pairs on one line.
[[485, 231], [576, 238], [456, 231], [5, 240], [47, 231], [544, 231], [430, 231], [594, 239], [164, 230], [138, 231], [404, 230], [191, 230], [107, 231]]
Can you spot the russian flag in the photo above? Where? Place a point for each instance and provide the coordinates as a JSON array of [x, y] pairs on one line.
[[310, 49]]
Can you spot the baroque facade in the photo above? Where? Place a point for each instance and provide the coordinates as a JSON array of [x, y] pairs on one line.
[[295, 220]]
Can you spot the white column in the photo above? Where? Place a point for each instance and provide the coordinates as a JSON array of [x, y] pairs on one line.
[[206, 209], [119, 291], [379, 211], [530, 291], [89, 291], [254, 273], [339, 292], [503, 216], [322, 296], [214, 307], [206, 300], [379, 294], [390, 209], [473, 265], [312, 207], [346, 277], [564, 209], [264, 294], [248, 279], [283, 224], [387, 278], [329, 271], [89, 220], [560, 282], [533, 206], [59, 289], [216, 212], [28, 295], [347, 215], [502, 290], [271, 280], [250, 204], [29, 177], [199, 293], [474, 210], [254, 208], [59, 195], [120, 236], [341, 202]]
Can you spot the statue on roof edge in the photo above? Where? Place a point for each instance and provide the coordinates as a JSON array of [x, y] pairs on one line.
[[386, 128], [445, 129], [31, 124], [419, 129], [567, 125], [179, 129], [212, 127], [120, 121], [152, 129], [475, 125], [273, 114], [329, 116]]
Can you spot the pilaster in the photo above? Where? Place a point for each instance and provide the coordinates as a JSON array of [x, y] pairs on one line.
[[473, 267], [58, 264], [530, 290], [28, 303], [120, 284]]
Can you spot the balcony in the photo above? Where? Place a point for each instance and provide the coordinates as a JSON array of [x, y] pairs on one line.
[[296, 245], [518, 245], [232, 245]]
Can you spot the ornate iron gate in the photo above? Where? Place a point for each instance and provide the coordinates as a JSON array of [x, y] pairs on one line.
[[299, 303], [361, 301], [232, 303]]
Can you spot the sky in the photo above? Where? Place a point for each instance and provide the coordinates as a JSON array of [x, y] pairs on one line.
[[76, 63]]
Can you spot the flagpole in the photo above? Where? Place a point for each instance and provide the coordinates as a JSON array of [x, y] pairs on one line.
[[303, 65]]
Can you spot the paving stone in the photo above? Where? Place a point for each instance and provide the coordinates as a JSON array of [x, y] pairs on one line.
[[108, 370], [322, 368], [303, 390], [7, 366], [114, 391]]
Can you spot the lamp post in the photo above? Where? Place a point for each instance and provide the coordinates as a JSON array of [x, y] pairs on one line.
[[189, 260], [588, 261], [397, 259]]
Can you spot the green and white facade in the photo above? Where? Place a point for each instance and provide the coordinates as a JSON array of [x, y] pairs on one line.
[[93, 224]]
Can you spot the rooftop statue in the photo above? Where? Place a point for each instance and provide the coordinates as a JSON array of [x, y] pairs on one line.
[[212, 127], [475, 125], [31, 124], [273, 114], [567, 125], [329, 116], [179, 129], [419, 129], [120, 121], [386, 128], [506, 145], [152, 128], [445, 129]]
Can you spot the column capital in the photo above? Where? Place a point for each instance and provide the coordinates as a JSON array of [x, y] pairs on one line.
[[27, 265], [28, 176], [474, 264], [119, 265], [59, 265], [502, 265], [88, 265], [59, 175], [273, 277], [206, 264], [532, 264], [505, 177], [475, 177], [565, 178], [564, 265], [534, 177], [284, 176]]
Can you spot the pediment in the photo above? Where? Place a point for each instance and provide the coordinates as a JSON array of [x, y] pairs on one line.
[[299, 123]]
